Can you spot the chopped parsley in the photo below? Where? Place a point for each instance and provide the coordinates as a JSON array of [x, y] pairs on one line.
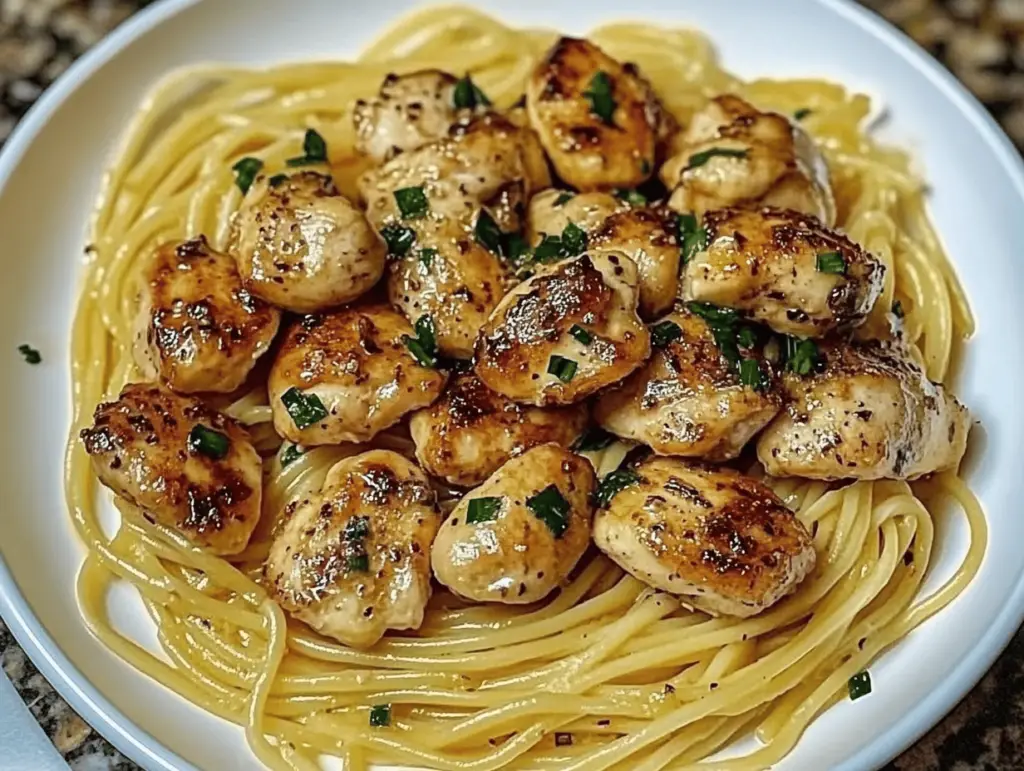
[[206, 441], [358, 563], [356, 529], [423, 347], [599, 94], [752, 376], [664, 333], [632, 197], [245, 172], [613, 484], [551, 508], [30, 354], [412, 202], [355, 533], [594, 438], [692, 238], [380, 716], [278, 179], [859, 685], [467, 95], [699, 159], [801, 355], [563, 198], [487, 232], [831, 262], [562, 368], [746, 337], [802, 113], [398, 238], [314, 150], [571, 243], [483, 510], [426, 256], [724, 326], [897, 310], [290, 454], [304, 409], [581, 334]]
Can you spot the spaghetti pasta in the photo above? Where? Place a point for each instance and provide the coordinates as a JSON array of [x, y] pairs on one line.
[[633, 679]]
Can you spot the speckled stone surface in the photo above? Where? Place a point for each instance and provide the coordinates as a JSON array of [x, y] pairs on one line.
[[981, 41]]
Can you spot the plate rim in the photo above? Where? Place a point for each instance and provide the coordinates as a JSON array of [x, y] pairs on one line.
[[143, 748]]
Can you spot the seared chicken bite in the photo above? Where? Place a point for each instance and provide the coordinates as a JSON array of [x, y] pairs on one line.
[[181, 463], [348, 375], [410, 111], [197, 328], [449, 277], [733, 154], [517, 536], [354, 560], [689, 399], [552, 210], [469, 432], [720, 540], [598, 120], [870, 412], [303, 246], [785, 269], [565, 333]]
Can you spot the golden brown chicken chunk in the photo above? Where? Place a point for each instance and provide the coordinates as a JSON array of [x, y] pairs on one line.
[[467, 434], [303, 246], [181, 463], [517, 536], [565, 333], [552, 210], [732, 154], [692, 398], [598, 120], [353, 560], [721, 541], [784, 269], [869, 412], [348, 375], [197, 329]]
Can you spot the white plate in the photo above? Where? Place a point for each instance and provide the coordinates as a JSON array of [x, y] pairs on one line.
[[49, 174]]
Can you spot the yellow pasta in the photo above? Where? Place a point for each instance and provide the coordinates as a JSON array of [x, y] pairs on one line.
[[607, 674]]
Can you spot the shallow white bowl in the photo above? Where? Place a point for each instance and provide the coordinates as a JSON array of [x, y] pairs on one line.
[[50, 172]]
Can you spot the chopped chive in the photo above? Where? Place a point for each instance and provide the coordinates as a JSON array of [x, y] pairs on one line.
[[291, 453], [859, 685], [562, 368], [206, 441], [314, 150], [278, 179], [599, 94], [801, 355], [483, 510], [752, 376], [357, 528], [594, 438], [423, 347], [398, 238], [692, 238], [358, 563], [487, 232], [897, 310], [245, 172], [30, 354], [427, 256], [571, 243], [713, 313], [563, 198], [699, 159], [551, 508], [664, 333], [632, 197], [412, 202], [746, 337], [575, 239], [515, 248], [613, 484], [581, 334], [468, 96], [380, 716], [831, 262], [802, 113], [304, 409]]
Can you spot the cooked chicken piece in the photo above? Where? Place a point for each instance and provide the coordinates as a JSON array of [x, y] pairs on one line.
[[303, 246], [689, 399], [733, 154], [354, 560], [410, 111], [565, 333], [197, 328], [348, 375], [468, 433], [722, 541], [519, 535], [451, 278], [184, 465], [869, 412], [599, 120], [785, 269], [486, 162], [552, 210]]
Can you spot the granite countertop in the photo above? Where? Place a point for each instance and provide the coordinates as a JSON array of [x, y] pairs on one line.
[[981, 41]]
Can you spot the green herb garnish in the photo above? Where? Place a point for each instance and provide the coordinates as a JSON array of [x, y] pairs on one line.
[[801, 355], [802, 113], [398, 238], [562, 368], [487, 232], [752, 376], [380, 716], [427, 256], [831, 262], [599, 94], [746, 337], [412, 202], [571, 243], [664, 333], [645, 167], [277, 180], [897, 310], [551, 508], [304, 409], [482, 510], [632, 197], [563, 198], [613, 484], [423, 347], [356, 529], [30, 354], [699, 159], [467, 95], [314, 150], [859, 685], [290, 454], [245, 172], [581, 334], [692, 238], [206, 441], [594, 438], [723, 323]]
